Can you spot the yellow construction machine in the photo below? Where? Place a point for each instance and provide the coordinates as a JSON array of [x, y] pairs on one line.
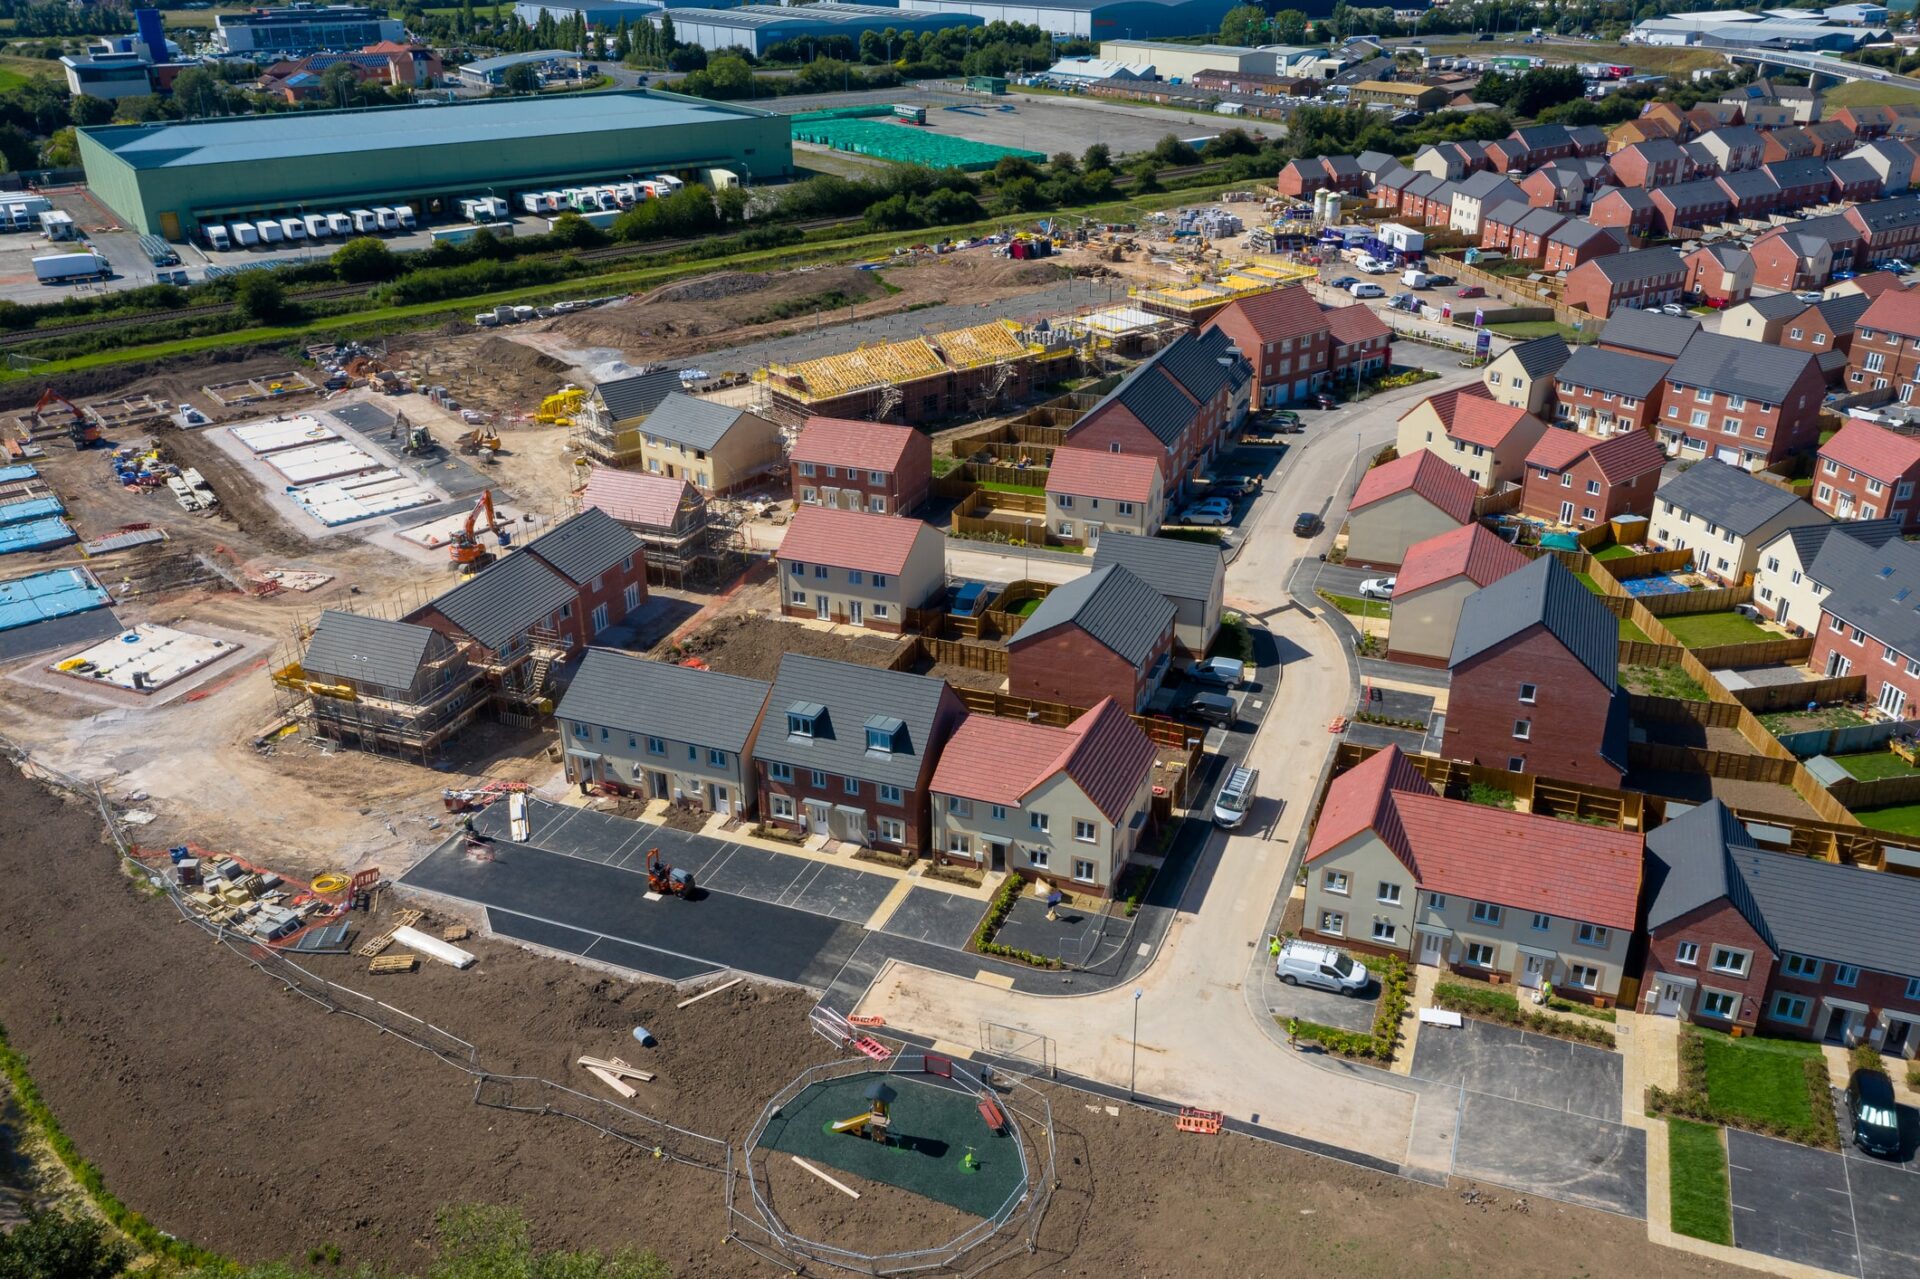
[[558, 409]]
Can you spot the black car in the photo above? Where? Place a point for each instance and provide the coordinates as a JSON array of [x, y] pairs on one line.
[[1307, 524], [1876, 1119], [1234, 486], [1440, 281]]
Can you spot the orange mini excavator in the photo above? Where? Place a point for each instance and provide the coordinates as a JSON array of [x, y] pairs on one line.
[[466, 550]]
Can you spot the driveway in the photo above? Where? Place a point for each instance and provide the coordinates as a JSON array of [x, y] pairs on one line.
[[1346, 1012], [1538, 1114]]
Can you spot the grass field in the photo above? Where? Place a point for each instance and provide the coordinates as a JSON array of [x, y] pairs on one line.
[[1697, 1172], [1900, 819], [1865, 93], [1641, 57], [1871, 766], [1628, 631], [1705, 630], [1356, 606], [1759, 1078]]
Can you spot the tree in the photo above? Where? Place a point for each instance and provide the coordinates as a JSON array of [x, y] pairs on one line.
[[49, 1245], [365, 261], [730, 75], [62, 150], [197, 92], [1097, 156], [85, 109], [522, 78], [1290, 27], [339, 85], [260, 296], [1243, 24]]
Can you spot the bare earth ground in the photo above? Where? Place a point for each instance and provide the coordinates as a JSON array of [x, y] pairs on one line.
[[738, 644], [250, 1121]]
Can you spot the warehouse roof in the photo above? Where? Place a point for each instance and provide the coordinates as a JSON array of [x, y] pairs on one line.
[[483, 66], [770, 15], [490, 121]]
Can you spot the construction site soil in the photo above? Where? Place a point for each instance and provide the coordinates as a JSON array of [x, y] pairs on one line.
[[239, 1115], [752, 645]]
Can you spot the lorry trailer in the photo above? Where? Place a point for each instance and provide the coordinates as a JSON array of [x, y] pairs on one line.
[[64, 268]]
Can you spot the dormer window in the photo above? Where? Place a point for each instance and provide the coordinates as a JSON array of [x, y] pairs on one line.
[[886, 734], [805, 719]]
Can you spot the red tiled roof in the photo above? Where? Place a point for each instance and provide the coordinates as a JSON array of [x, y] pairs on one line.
[[1473, 549], [851, 539], [634, 497], [1874, 283], [1002, 761], [1560, 448], [1517, 860], [1479, 419], [1893, 312], [1424, 473], [1628, 455], [1118, 477], [864, 446], [1280, 314], [1872, 450], [1354, 324]]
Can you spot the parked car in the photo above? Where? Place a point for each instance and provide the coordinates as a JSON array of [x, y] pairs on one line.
[[1307, 523], [1899, 266], [1876, 1119], [1844, 275], [1236, 798], [1205, 515], [1377, 588], [1322, 400], [1225, 672], [1366, 290], [1441, 281], [1305, 963], [1216, 709], [1344, 282], [1234, 486], [1472, 291], [1811, 295], [1673, 308]]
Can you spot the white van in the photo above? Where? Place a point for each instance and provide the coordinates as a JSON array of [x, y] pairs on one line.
[[245, 235], [404, 212], [1236, 797], [385, 218], [1414, 278], [1305, 963], [217, 238], [270, 232], [363, 220]]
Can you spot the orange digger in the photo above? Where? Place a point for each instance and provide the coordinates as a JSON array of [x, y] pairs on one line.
[[465, 549], [664, 879]]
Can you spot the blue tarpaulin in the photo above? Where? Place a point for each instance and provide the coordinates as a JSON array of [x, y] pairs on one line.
[[35, 534], [55, 593]]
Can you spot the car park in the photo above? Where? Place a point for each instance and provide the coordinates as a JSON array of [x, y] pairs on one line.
[[1307, 523], [1876, 1119], [1366, 291], [1305, 963], [1472, 291], [1377, 588], [1224, 672]]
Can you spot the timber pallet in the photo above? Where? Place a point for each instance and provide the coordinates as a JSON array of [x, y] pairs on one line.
[[393, 964], [405, 919]]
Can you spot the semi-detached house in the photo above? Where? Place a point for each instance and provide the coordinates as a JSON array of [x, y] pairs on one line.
[[1500, 896], [1866, 472], [1090, 493], [1106, 634], [1868, 626], [1885, 355], [1484, 439], [1784, 586], [1174, 407], [1724, 516], [858, 569], [1644, 278], [1522, 375], [1607, 392], [1580, 480], [1741, 402], [717, 448], [1720, 274], [1192, 576], [861, 466]]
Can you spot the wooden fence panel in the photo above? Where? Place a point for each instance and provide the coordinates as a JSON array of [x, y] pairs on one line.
[[1647, 563], [1791, 697], [1734, 766], [1507, 499], [1855, 793], [1755, 653], [1030, 476], [1680, 710], [1641, 653], [1708, 601]]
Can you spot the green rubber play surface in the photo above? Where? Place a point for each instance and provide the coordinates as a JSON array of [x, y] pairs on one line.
[[932, 1128]]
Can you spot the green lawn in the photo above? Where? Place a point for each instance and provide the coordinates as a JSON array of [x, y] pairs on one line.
[[1870, 766], [1525, 329], [1706, 630], [1357, 606], [1759, 1078], [1614, 551], [1025, 608], [1900, 819], [1663, 681], [1586, 580], [1628, 631], [1863, 93], [1698, 1194], [1032, 490]]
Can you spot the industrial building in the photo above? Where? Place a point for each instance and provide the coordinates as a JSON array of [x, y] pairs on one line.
[[1092, 19], [167, 178], [304, 28], [758, 27], [1738, 29], [486, 73], [599, 15], [1183, 62]]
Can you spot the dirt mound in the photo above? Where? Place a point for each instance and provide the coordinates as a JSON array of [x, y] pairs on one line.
[[726, 302], [503, 356], [710, 288]]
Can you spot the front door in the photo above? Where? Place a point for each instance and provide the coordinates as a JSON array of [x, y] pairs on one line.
[[1533, 972], [822, 609], [856, 611], [997, 856], [1566, 512], [1837, 1026], [819, 817], [657, 785], [1898, 1032], [1432, 945], [721, 804], [1892, 700], [1672, 996]]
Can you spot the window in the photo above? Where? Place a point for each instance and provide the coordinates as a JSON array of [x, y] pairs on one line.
[[796, 568], [850, 785], [1794, 334], [1523, 729], [1384, 930], [800, 724], [1719, 1003], [1487, 913], [782, 806], [1066, 501], [854, 577], [959, 807], [888, 794], [1698, 417], [1334, 881], [1480, 954], [656, 746], [959, 845], [1037, 857], [876, 477], [1436, 901], [1728, 960], [1736, 401], [716, 759], [1566, 480], [1730, 425], [1588, 513], [1846, 975], [1528, 692], [1913, 988], [1787, 1007], [1038, 821], [1583, 976], [892, 830], [806, 468], [819, 779], [1516, 763], [1541, 923], [879, 579], [1389, 893], [1126, 508], [1874, 487], [1083, 870], [1593, 487], [779, 772], [820, 571], [1333, 923], [1084, 831], [1703, 395], [1686, 952], [1593, 935]]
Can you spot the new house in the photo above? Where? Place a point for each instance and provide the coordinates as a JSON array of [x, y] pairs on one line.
[[1885, 355], [717, 448], [1090, 493], [858, 569], [1106, 634], [1741, 402], [1535, 684], [1483, 438], [1785, 585], [1192, 576], [1720, 274], [1410, 499], [1284, 335], [1580, 480], [381, 685], [848, 751], [1868, 626], [1658, 162], [1576, 241], [1067, 805], [1500, 896], [614, 411], [1173, 407], [1660, 337], [1644, 278], [1434, 580], [1522, 375], [1867, 471], [861, 466], [1741, 936], [1724, 516], [1609, 391], [668, 516], [662, 731]]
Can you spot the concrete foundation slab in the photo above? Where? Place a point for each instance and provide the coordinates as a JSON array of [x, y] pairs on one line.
[[145, 659]]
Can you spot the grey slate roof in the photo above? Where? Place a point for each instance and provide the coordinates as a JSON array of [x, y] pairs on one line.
[[1885, 215], [1778, 306], [1839, 914], [1648, 332], [1616, 371], [1634, 198], [1640, 264], [586, 545], [1876, 588], [1543, 593], [697, 424], [1748, 184], [852, 695], [626, 692], [1538, 221], [1485, 183], [1848, 171], [1175, 568], [1424, 185], [1807, 539], [1577, 233], [506, 599], [367, 650], [1110, 604], [1727, 495], [1804, 171], [1843, 313], [1540, 356], [1152, 392], [638, 395], [1753, 369]]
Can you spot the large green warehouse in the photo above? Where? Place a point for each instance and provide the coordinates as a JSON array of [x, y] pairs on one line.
[[168, 178]]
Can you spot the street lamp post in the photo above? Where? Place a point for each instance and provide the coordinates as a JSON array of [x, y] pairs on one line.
[[1133, 1071]]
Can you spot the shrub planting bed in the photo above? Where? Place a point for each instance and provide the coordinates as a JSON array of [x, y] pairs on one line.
[[1498, 1006]]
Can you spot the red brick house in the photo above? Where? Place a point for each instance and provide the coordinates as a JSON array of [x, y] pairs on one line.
[[847, 752], [1830, 138], [1609, 391], [1751, 404], [1720, 273], [1531, 232], [1690, 204], [1647, 165], [1763, 939], [1304, 176], [1867, 471], [1534, 679], [1805, 254], [1496, 225], [1174, 407], [1800, 182], [1626, 209], [1107, 634], [861, 466], [1865, 123], [1579, 480], [1886, 347], [1362, 344], [1861, 630], [1556, 188], [1646, 277], [1853, 180], [1285, 335], [1889, 229], [1827, 327], [1785, 144], [1751, 193], [1576, 241]]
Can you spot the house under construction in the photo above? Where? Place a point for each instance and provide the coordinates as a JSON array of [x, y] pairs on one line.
[[381, 686], [1198, 300], [925, 379], [687, 540]]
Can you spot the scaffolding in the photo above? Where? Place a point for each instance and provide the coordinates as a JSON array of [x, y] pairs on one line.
[[1196, 301]]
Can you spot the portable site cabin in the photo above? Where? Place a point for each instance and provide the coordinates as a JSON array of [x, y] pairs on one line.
[[58, 225]]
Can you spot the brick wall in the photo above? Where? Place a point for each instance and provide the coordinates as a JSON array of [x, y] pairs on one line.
[[1566, 720], [911, 810], [1068, 665], [1846, 494], [1716, 923]]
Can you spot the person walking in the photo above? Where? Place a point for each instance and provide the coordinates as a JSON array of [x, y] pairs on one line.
[[1293, 1032]]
